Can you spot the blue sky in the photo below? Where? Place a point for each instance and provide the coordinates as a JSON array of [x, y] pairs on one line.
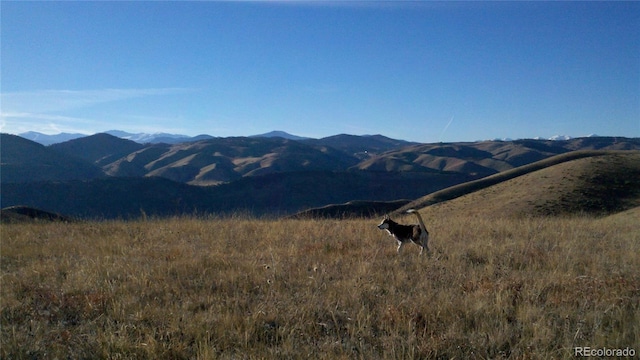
[[420, 71]]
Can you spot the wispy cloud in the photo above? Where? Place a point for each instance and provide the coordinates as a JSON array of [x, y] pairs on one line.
[[51, 111], [19, 122], [43, 101]]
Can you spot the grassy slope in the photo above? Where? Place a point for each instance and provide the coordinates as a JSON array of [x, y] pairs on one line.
[[243, 288], [598, 182]]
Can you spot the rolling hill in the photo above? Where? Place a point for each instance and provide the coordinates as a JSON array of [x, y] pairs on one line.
[[487, 157], [221, 160], [593, 182], [598, 182], [99, 149], [26, 161], [205, 162], [264, 175]]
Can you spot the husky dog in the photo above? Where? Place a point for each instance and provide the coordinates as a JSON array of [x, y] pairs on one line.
[[417, 234]]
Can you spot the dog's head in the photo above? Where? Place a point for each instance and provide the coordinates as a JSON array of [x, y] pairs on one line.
[[384, 225]]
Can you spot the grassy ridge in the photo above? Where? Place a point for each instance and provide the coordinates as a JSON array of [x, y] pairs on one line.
[[594, 182], [472, 186], [246, 288]]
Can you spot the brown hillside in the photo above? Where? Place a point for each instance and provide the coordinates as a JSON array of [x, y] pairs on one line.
[[485, 158], [429, 157], [220, 160], [600, 184]]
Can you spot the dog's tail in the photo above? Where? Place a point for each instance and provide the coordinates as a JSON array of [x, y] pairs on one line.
[[417, 214]]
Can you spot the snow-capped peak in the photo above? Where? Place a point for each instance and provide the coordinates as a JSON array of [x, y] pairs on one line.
[[560, 137]]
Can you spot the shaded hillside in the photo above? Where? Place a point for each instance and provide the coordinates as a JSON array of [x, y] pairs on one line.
[[272, 194], [108, 198], [600, 184], [22, 160], [292, 192], [100, 149], [20, 214]]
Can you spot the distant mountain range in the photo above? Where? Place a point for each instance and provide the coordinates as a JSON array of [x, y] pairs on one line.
[[142, 138], [103, 175], [45, 139], [155, 138]]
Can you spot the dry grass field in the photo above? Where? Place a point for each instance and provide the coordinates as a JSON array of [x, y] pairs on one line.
[[242, 288]]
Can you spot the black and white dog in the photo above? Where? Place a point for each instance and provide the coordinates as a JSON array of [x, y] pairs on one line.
[[417, 234]]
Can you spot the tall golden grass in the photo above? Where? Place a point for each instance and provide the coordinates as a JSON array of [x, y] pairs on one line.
[[188, 288]]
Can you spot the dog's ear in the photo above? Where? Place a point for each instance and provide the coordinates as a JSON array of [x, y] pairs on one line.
[[386, 217]]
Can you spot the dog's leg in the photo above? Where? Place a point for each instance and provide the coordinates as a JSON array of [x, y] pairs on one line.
[[400, 243]]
